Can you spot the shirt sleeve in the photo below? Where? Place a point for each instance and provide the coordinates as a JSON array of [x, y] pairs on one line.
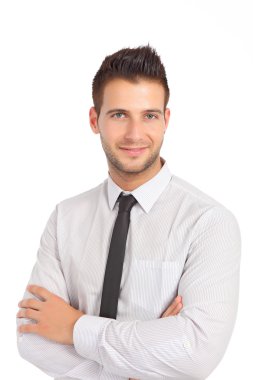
[[53, 358], [191, 344]]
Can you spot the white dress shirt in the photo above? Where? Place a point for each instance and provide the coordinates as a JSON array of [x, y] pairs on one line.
[[180, 241]]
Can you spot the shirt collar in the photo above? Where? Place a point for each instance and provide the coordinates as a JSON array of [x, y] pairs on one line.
[[146, 194]]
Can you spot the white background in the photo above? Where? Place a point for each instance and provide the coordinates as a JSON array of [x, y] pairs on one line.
[[50, 52]]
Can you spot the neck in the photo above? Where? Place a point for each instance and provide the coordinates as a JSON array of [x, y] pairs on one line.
[[130, 181]]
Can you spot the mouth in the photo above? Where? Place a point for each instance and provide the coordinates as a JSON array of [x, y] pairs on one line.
[[133, 151]]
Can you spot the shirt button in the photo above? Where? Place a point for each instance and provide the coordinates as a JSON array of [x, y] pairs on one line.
[[187, 344]]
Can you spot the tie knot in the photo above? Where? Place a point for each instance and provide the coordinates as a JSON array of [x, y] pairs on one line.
[[126, 202]]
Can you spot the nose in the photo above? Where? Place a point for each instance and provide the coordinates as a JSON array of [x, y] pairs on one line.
[[133, 130]]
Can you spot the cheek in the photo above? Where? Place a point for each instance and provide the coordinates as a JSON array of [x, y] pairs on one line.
[[156, 134], [110, 139], [112, 134]]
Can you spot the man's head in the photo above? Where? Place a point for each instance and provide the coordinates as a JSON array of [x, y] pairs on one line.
[[130, 94], [132, 65]]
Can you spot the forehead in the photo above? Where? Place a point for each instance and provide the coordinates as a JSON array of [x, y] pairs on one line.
[[126, 94]]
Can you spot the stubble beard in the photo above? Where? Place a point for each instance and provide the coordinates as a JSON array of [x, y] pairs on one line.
[[119, 166]]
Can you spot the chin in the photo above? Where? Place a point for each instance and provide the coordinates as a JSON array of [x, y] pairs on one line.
[[133, 167]]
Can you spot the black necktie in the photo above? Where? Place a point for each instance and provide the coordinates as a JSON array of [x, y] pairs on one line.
[[114, 266]]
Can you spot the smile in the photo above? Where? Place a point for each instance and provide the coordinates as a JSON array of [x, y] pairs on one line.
[[133, 151]]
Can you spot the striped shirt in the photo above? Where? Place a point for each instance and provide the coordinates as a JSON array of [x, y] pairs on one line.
[[180, 242]]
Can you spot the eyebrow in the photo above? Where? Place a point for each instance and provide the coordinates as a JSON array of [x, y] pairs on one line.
[[122, 110]]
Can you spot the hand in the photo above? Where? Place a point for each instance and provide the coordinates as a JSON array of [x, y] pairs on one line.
[[172, 310], [55, 317]]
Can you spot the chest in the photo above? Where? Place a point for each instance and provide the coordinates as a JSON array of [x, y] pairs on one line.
[[153, 264]]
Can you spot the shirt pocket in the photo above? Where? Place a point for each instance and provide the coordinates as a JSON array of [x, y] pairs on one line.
[[153, 286]]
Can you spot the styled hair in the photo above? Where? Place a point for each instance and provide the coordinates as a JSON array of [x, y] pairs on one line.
[[131, 64]]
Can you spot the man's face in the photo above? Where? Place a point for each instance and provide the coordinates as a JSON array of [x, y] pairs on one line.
[[132, 123]]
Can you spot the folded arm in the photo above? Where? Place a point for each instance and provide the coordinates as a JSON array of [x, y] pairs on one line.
[[53, 358], [188, 345]]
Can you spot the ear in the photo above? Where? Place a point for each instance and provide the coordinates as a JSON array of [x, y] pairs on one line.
[[93, 120], [166, 118]]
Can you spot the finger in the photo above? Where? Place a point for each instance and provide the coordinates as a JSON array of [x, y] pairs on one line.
[[30, 303], [172, 306], [39, 291], [177, 309], [28, 328], [28, 313], [178, 299], [170, 313]]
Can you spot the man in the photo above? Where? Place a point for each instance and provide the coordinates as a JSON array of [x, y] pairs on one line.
[[175, 310]]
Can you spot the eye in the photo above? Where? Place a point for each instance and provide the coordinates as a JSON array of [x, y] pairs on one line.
[[115, 115], [153, 116]]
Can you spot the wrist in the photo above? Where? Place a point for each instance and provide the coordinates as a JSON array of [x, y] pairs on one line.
[[78, 315]]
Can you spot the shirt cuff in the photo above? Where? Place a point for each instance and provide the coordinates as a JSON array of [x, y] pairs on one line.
[[86, 333]]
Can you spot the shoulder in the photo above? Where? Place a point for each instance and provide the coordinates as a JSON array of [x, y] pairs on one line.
[[210, 214], [193, 193], [82, 201], [200, 206]]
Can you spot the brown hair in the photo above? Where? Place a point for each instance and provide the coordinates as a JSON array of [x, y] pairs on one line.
[[131, 64]]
